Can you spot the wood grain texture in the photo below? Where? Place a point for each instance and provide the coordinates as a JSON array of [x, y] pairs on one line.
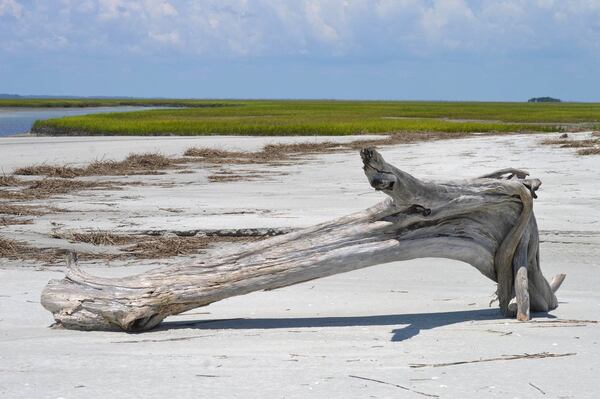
[[482, 221]]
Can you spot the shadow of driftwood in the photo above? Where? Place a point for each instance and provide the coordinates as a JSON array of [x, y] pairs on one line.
[[414, 323]]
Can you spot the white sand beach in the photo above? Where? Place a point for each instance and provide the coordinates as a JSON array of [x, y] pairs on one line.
[[384, 331]]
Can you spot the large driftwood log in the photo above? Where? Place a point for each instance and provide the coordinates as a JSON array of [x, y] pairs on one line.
[[487, 222]]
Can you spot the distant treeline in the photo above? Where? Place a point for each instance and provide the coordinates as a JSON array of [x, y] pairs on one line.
[[83, 102]]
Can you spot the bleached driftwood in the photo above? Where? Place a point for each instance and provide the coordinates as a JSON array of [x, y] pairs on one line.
[[487, 222]]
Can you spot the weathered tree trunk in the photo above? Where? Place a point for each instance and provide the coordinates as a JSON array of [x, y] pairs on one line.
[[487, 222]]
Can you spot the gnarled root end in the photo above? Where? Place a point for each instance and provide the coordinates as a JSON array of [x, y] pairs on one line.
[[77, 306], [516, 261], [533, 293], [79, 303]]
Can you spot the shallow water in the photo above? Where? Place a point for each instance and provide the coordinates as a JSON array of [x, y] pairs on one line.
[[20, 120]]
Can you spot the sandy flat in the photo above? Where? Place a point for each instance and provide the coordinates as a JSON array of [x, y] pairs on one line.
[[27, 150], [358, 334]]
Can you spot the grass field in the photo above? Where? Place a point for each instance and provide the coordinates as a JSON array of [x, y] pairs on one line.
[[259, 117]]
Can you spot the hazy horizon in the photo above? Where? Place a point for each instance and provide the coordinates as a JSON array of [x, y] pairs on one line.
[[67, 96]]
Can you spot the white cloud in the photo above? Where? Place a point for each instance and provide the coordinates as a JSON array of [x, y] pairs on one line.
[[10, 7], [321, 28], [382, 29], [168, 9], [158, 8], [449, 23], [165, 38], [109, 9]]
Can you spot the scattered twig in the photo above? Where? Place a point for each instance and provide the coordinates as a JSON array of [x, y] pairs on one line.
[[558, 325], [538, 388], [563, 321], [162, 340], [541, 355], [499, 332], [394, 385]]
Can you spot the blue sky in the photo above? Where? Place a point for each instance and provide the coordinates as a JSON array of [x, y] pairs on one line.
[[500, 50]]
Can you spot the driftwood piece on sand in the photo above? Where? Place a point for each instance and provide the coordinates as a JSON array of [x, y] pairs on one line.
[[487, 222]]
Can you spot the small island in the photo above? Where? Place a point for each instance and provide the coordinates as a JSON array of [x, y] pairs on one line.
[[543, 100]]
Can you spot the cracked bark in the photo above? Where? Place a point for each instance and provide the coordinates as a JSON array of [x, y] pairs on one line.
[[487, 222]]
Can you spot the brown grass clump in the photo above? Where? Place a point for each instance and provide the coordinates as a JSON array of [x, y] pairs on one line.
[[95, 237], [579, 143], [6, 221], [133, 164], [211, 153], [133, 246], [558, 141], [215, 156], [164, 247], [49, 171], [282, 152], [295, 148], [11, 182], [147, 160], [14, 194], [49, 187], [589, 151], [586, 147], [7, 181], [269, 153], [9, 248], [145, 247], [147, 163], [39, 189], [18, 250], [285, 150], [12, 249], [17, 210]]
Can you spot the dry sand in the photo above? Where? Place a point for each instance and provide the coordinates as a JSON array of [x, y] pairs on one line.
[[350, 335]]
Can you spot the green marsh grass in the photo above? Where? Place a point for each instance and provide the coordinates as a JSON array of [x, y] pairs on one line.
[[259, 117]]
